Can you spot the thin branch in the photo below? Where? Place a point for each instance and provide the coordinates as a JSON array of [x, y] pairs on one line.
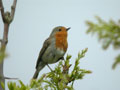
[[13, 9], [10, 78], [5, 35], [7, 18], [2, 10]]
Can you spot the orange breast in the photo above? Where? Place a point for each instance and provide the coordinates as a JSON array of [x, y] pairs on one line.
[[61, 40]]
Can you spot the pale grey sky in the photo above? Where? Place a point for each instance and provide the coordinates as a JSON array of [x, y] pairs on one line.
[[35, 19]]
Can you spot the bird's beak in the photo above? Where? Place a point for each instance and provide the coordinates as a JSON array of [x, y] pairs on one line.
[[67, 29]]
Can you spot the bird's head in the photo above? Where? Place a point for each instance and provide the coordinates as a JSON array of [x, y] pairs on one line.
[[59, 31]]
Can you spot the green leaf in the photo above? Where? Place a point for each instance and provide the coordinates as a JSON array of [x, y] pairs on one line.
[[2, 85], [117, 61], [108, 33], [59, 79]]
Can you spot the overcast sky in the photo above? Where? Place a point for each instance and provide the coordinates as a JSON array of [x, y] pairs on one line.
[[34, 21]]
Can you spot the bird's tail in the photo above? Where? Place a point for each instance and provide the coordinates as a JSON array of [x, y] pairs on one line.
[[38, 70]]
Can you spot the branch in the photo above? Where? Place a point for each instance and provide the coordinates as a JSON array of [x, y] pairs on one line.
[[10, 78], [2, 10], [13, 9], [7, 18], [5, 35]]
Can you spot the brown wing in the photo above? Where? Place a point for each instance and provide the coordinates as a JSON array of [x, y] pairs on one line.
[[45, 46]]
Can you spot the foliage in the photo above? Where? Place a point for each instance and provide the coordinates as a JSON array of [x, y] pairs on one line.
[[3, 54], [58, 79], [117, 60], [108, 33], [2, 85]]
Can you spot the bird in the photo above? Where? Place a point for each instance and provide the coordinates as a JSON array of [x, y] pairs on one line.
[[53, 49]]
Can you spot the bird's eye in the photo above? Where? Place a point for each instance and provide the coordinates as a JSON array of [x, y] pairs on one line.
[[59, 29]]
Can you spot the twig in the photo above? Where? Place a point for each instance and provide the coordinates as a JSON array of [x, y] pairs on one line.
[[13, 9], [2, 10], [5, 35], [10, 78], [72, 83], [7, 18]]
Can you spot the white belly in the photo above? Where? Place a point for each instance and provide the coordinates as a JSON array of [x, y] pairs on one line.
[[52, 55]]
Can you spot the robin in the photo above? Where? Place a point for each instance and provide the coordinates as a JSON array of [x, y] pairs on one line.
[[53, 50]]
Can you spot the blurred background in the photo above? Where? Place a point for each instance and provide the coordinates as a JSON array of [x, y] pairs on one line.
[[34, 21]]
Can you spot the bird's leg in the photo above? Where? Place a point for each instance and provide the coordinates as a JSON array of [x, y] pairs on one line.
[[49, 68]]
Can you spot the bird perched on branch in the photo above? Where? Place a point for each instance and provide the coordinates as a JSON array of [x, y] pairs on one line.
[[54, 48]]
